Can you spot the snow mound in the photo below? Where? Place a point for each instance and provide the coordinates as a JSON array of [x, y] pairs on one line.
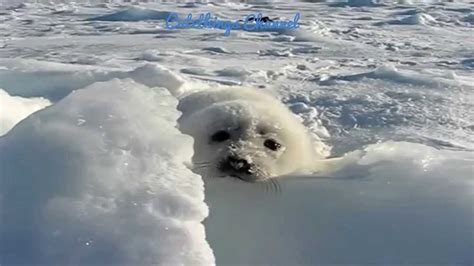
[[31, 78], [357, 3], [154, 75], [418, 19], [14, 109], [99, 178], [133, 14], [175, 57], [469, 18], [233, 72], [391, 73], [468, 63], [415, 19], [217, 50], [151, 55], [285, 52], [393, 203]]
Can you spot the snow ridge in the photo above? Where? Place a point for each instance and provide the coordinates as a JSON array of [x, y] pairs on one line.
[[99, 178]]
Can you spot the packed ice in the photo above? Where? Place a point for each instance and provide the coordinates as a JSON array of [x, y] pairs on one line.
[[100, 178]]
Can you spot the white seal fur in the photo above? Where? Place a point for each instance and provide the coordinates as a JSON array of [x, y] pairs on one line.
[[247, 134]]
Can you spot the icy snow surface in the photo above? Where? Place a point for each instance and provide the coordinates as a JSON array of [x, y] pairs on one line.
[[100, 175], [99, 178], [15, 108]]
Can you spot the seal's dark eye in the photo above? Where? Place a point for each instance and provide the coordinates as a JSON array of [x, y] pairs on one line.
[[220, 136], [272, 144]]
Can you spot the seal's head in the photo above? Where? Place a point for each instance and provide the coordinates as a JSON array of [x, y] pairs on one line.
[[247, 139]]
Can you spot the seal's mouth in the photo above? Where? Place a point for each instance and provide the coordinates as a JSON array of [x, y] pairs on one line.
[[239, 169], [250, 179]]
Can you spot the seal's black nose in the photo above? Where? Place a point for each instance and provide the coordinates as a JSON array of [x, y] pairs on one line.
[[239, 165]]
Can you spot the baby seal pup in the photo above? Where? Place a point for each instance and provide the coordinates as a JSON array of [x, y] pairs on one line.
[[247, 134]]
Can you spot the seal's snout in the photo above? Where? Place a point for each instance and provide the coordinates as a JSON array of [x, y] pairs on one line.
[[239, 165]]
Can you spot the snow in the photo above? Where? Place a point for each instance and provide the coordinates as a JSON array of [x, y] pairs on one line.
[[415, 19], [32, 78], [357, 3], [133, 14], [99, 177], [469, 18], [391, 73], [94, 171], [397, 203], [13, 109]]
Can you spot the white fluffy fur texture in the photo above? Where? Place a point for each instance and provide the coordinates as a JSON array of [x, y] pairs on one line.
[[251, 116]]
